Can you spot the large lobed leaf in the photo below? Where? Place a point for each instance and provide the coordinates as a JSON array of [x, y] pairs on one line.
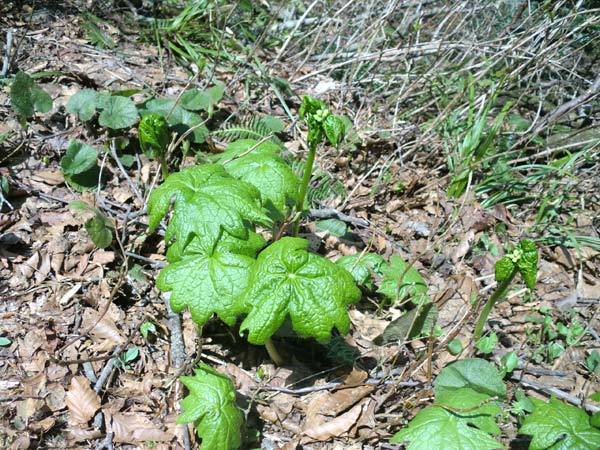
[[274, 179], [287, 280], [211, 406], [558, 426]]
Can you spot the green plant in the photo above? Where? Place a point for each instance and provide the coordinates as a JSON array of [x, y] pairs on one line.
[[98, 226], [522, 260], [154, 137], [463, 416], [402, 281], [26, 97], [211, 407], [116, 110], [556, 425], [219, 263], [79, 166]]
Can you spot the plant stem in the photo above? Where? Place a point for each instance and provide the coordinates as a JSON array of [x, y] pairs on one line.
[[310, 160], [164, 169], [497, 295], [273, 353]]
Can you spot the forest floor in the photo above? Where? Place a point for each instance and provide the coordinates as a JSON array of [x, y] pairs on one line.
[[76, 370]]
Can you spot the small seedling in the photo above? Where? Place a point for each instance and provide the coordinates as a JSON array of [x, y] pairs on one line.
[[523, 260], [27, 98], [79, 166], [99, 227]]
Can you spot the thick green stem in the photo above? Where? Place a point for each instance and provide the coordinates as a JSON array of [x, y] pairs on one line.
[[273, 353], [485, 312], [164, 169], [310, 160]]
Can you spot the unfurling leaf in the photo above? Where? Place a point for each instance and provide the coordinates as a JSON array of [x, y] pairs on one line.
[[154, 135], [211, 407], [503, 269], [528, 262], [556, 425], [334, 128], [287, 280]]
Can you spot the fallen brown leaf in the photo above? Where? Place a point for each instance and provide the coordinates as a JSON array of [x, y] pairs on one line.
[[82, 401]]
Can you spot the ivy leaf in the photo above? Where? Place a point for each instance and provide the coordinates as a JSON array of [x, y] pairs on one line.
[[83, 104], [195, 99], [26, 97], [558, 426], [181, 186], [528, 262], [211, 407], [207, 283], [277, 183], [288, 280], [118, 112], [362, 267], [436, 428], [399, 283], [334, 128], [153, 134], [221, 204], [474, 373], [242, 147], [503, 269]]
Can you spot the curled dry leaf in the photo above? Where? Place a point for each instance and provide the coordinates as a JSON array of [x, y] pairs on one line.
[[134, 428], [82, 401]]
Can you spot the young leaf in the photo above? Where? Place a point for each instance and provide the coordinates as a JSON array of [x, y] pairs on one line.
[[154, 135], [362, 267], [335, 227], [334, 128], [557, 425], [26, 97], [399, 283], [528, 262], [118, 112], [503, 269], [437, 428], [83, 104], [79, 166], [207, 283], [179, 118], [78, 158], [180, 186], [288, 280], [274, 179], [455, 347], [100, 230], [487, 344], [247, 247], [473, 407], [474, 373], [221, 204], [211, 407]]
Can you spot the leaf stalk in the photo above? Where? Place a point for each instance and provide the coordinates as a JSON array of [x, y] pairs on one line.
[[497, 295]]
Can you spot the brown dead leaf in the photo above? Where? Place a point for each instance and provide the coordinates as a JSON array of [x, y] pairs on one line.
[[336, 427], [82, 401], [105, 332], [134, 428]]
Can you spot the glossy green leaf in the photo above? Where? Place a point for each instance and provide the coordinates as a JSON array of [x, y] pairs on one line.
[[277, 183], [474, 373], [401, 282], [287, 280], [248, 247], [558, 426], [503, 269], [207, 283], [83, 104], [118, 112], [436, 428], [211, 407], [154, 134], [180, 187], [362, 267]]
